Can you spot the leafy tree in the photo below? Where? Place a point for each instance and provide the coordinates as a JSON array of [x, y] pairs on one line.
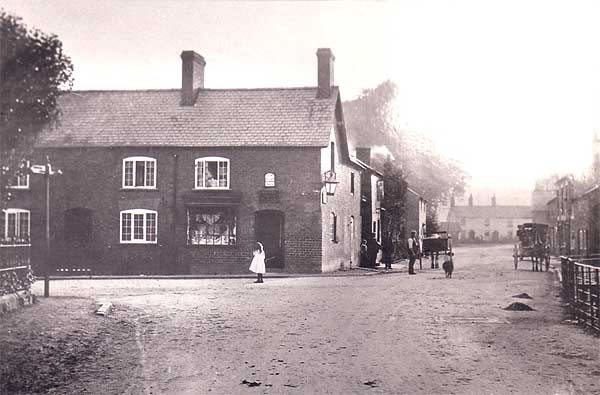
[[394, 199], [33, 73], [370, 121]]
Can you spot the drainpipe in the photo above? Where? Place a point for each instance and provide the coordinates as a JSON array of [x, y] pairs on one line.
[[174, 214]]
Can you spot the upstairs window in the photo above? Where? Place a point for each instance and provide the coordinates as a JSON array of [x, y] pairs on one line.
[[332, 156], [139, 172], [21, 178], [16, 226], [139, 226], [212, 173], [380, 192]]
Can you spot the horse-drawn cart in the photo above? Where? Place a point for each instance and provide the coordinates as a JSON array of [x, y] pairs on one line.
[[532, 244], [436, 243]]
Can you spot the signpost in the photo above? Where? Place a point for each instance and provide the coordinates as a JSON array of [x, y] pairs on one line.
[[47, 171]]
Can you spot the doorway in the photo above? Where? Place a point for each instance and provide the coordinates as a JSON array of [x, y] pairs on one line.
[[268, 229]]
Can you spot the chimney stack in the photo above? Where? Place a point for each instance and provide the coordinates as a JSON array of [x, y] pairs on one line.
[[494, 201], [192, 76], [363, 154], [452, 201], [471, 200], [325, 72]]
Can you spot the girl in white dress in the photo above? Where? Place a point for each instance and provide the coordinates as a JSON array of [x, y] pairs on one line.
[[258, 262]]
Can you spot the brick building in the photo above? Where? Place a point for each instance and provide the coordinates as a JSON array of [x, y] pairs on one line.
[[186, 180], [576, 226]]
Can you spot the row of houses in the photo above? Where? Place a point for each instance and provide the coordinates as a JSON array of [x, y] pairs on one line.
[[485, 223], [185, 181]]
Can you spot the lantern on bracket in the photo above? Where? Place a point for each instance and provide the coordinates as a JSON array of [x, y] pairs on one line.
[[329, 179]]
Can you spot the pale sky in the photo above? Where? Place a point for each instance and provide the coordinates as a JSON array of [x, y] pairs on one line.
[[509, 88]]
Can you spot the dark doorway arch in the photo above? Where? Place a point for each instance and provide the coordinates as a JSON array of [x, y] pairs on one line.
[[495, 235], [269, 230], [78, 225]]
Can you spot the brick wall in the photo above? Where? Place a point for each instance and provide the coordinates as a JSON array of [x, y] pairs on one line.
[[92, 179]]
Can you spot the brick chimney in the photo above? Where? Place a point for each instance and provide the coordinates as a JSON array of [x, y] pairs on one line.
[[192, 76], [325, 72], [494, 201], [363, 154], [471, 200]]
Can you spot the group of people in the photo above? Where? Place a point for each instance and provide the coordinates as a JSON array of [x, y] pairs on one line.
[[369, 249]]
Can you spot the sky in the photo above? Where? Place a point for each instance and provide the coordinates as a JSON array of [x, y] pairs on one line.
[[510, 89]]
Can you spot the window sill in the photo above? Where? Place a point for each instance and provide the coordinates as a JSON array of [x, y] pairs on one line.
[[150, 243], [212, 189], [14, 245], [211, 245], [139, 189], [13, 188]]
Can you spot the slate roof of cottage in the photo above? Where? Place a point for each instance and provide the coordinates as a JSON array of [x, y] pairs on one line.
[[490, 212], [220, 117]]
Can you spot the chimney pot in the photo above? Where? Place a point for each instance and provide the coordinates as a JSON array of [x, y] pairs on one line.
[[192, 76], [324, 72]]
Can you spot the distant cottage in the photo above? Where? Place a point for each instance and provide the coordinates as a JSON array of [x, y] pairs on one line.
[[487, 223], [187, 180]]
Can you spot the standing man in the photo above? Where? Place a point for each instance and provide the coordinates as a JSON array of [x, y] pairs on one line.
[[387, 247], [413, 250], [372, 250]]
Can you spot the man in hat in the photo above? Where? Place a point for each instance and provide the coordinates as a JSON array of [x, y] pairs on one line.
[[413, 250]]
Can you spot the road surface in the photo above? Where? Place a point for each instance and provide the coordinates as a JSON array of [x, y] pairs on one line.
[[376, 334]]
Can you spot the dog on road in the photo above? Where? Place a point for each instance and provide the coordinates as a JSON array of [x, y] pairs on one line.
[[448, 267]]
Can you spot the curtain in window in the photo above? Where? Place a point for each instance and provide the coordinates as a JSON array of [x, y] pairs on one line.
[[211, 226]]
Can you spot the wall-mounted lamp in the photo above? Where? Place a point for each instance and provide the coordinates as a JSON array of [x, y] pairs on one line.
[[330, 182]]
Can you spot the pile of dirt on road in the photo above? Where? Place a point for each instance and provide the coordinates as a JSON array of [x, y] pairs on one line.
[[60, 345], [522, 296], [518, 306]]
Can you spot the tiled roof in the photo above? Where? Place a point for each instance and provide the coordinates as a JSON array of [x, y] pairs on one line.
[[490, 212], [255, 117]]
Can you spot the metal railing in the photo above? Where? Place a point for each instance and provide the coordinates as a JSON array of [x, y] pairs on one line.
[[581, 288], [15, 267]]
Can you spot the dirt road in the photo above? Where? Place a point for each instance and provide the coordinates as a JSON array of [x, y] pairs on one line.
[[391, 333]]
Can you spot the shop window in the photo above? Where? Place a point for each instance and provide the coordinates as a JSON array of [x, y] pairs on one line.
[[211, 226]]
